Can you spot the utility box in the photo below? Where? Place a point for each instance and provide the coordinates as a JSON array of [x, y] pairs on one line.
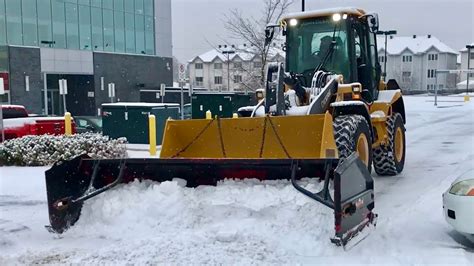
[[130, 120], [221, 104]]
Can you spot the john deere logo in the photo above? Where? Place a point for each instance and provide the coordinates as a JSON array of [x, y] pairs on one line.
[[359, 203]]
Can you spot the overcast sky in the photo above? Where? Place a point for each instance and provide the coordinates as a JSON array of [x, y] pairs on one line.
[[196, 23]]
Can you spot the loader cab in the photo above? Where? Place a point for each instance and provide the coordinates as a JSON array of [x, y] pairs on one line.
[[339, 41]]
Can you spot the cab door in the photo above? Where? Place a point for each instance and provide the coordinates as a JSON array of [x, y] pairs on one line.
[[365, 58]]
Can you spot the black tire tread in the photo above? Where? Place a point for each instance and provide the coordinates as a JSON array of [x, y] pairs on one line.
[[345, 128], [384, 156]]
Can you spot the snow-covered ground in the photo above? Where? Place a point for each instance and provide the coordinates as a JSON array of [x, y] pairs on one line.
[[254, 222]]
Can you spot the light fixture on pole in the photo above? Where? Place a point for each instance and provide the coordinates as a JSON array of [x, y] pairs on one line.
[[386, 33]]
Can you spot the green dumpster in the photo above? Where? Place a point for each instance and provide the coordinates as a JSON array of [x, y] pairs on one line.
[[220, 104], [130, 120]]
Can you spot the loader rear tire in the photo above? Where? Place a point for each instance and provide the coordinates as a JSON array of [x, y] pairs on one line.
[[352, 133], [389, 159]]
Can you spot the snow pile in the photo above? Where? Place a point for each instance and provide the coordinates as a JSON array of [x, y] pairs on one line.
[[48, 149], [179, 222]]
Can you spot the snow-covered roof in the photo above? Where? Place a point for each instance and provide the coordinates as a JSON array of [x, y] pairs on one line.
[[241, 52], [417, 45], [325, 12], [464, 49]]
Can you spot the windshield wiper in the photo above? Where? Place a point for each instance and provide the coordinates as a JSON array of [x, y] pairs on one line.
[[330, 51]]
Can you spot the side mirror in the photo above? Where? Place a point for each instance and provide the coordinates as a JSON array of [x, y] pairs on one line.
[[269, 33], [373, 20]]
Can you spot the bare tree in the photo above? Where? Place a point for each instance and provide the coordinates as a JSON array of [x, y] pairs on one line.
[[252, 30]]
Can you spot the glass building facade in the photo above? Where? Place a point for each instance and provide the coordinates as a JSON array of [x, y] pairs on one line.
[[122, 26]]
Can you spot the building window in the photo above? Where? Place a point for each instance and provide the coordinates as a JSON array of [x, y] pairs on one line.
[[218, 66], [406, 76], [440, 86], [13, 11], [85, 28], [149, 33], [198, 66], [129, 32], [3, 33], [237, 79], [431, 73], [407, 58], [257, 64], [471, 75], [199, 81], [218, 80], [110, 25], [119, 21], [72, 29], [238, 65], [432, 57], [109, 39], [45, 33], [59, 23], [29, 22], [381, 59]]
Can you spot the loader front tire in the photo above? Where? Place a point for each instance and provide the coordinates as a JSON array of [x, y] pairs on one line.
[[389, 159], [352, 133]]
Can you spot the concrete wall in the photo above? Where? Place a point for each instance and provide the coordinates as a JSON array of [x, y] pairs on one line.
[[130, 73], [26, 62], [66, 61]]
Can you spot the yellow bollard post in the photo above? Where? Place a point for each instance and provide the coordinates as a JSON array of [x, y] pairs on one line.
[[152, 130], [208, 114], [67, 124], [466, 98]]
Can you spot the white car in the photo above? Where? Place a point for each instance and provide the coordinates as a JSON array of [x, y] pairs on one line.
[[458, 204]]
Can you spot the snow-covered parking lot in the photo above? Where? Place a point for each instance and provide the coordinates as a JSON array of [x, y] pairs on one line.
[[254, 222]]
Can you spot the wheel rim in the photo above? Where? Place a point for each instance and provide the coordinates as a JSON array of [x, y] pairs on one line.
[[399, 144], [363, 148]]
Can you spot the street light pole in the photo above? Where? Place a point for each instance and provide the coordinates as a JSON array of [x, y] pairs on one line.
[[227, 52], [469, 47], [302, 5], [228, 72], [386, 33]]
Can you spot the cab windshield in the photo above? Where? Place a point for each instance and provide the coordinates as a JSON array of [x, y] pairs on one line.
[[309, 42]]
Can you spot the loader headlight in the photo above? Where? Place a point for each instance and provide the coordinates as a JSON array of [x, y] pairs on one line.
[[293, 22], [336, 17], [463, 188]]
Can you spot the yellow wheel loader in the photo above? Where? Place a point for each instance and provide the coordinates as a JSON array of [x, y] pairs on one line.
[[326, 114]]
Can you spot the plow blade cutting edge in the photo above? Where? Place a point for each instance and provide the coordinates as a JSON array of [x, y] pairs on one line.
[[264, 148]]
